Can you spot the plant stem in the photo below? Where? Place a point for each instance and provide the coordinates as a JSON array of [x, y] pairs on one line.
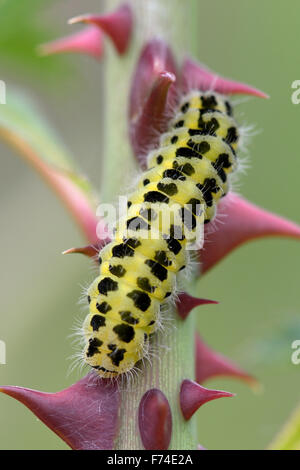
[[175, 346], [174, 362]]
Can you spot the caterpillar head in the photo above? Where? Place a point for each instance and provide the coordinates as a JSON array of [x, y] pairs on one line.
[[113, 348]]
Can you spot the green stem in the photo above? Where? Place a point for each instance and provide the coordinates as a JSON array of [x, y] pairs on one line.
[[174, 362], [118, 163], [174, 347]]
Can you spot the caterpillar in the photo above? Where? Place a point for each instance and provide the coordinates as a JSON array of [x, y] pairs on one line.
[[190, 168]]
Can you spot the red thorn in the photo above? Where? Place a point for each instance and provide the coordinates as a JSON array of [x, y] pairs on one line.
[[155, 420], [88, 41], [156, 57], [117, 25], [144, 131], [196, 76], [156, 102], [243, 221], [193, 395], [211, 364], [152, 87], [90, 250], [84, 415], [186, 303]]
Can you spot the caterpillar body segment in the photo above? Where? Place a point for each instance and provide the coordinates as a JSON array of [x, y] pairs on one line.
[[186, 176]]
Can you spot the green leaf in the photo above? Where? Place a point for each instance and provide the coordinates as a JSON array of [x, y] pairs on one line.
[[24, 118], [24, 128], [289, 437]]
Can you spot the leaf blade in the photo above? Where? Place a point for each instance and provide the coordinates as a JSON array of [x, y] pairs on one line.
[[25, 129], [289, 437]]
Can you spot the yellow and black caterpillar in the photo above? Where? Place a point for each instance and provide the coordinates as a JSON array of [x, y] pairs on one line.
[[190, 168]]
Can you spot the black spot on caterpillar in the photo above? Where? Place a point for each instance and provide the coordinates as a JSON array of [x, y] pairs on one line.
[[125, 333], [103, 307], [117, 355], [97, 321], [107, 284]]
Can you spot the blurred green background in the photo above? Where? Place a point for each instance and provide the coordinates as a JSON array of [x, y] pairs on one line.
[[258, 317]]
